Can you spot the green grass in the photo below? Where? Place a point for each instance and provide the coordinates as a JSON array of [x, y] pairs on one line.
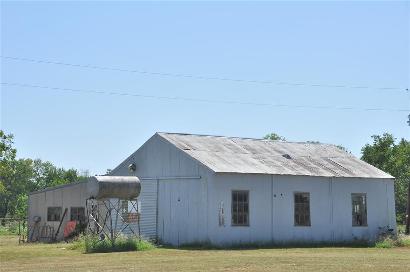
[[59, 257]]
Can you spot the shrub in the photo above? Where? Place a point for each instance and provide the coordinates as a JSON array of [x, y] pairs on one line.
[[78, 243], [93, 244], [11, 227], [144, 245], [5, 231], [393, 241], [385, 243], [406, 241]]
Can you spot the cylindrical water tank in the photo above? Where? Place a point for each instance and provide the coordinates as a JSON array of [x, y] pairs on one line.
[[122, 187]]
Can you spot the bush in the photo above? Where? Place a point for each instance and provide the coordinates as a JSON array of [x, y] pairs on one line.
[[77, 244], [397, 241], [93, 244], [5, 231], [386, 243], [11, 227]]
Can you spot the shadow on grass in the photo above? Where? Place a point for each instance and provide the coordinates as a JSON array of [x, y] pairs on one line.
[[255, 246]]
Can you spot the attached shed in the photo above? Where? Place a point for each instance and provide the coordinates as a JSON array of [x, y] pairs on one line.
[[228, 190], [93, 204], [46, 209]]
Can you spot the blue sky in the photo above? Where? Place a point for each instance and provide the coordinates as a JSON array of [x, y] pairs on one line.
[[336, 43]]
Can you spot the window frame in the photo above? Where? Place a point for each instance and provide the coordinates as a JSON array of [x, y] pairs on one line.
[[49, 219], [78, 208], [233, 224], [365, 209], [295, 223]]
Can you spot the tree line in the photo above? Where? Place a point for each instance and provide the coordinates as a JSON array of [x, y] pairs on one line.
[[18, 177]]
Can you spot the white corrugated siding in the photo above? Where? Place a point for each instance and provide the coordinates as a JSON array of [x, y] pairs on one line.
[[148, 208], [182, 208], [157, 158], [271, 208], [148, 198]]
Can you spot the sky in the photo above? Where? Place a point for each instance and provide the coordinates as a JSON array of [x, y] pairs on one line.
[[259, 45]]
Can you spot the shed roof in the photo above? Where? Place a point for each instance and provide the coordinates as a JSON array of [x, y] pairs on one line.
[[258, 156]]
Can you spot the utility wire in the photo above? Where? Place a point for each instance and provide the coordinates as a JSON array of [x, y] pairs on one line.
[[124, 93], [95, 67]]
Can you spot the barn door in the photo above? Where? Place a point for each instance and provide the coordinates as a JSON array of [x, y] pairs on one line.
[[168, 211], [173, 212], [183, 214]]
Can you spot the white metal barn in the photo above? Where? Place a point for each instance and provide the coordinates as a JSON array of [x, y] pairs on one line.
[[228, 190]]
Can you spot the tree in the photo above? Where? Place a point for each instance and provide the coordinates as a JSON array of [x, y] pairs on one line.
[[48, 175], [7, 158], [274, 137], [393, 158], [18, 183], [341, 147], [7, 155], [18, 177], [7, 152]]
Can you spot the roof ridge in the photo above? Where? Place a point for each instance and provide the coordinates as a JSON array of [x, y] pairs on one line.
[[243, 138]]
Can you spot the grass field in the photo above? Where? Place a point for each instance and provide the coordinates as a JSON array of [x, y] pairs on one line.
[[56, 257]]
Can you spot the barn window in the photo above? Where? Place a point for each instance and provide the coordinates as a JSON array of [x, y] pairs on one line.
[[359, 210], [240, 208], [302, 209], [54, 213], [77, 214]]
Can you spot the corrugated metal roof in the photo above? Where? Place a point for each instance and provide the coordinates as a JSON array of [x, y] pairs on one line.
[[257, 156], [58, 187]]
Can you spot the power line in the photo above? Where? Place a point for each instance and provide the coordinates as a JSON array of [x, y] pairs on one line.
[[95, 67], [124, 93]]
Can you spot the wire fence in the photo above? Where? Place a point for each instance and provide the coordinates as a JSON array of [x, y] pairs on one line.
[[14, 226]]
